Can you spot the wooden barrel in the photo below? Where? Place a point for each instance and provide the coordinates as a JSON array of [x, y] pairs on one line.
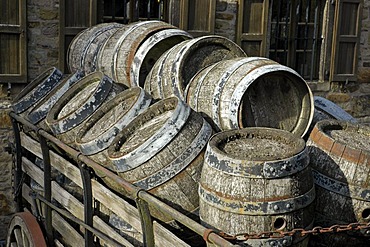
[[256, 180], [252, 92], [83, 49], [340, 159], [66, 116], [172, 72], [98, 132], [36, 90], [117, 55], [161, 151], [38, 113], [326, 109], [151, 50]]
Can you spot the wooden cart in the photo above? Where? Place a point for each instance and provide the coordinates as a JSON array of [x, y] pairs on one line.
[[50, 213]]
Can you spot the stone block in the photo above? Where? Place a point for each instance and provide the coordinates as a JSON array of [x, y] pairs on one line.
[[338, 97], [364, 73], [47, 14]]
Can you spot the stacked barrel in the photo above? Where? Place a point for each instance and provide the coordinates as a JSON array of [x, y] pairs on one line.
[[194, 121]]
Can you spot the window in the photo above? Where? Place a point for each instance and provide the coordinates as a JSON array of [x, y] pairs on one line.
[[346, 40], [295, 38], [13, 53], [252, 26], [291, 32], [198, 16]]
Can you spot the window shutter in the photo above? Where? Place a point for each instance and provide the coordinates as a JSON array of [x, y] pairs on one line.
[[13, 46], [75, 16], [198, 16], [347, 24], [252, 26]]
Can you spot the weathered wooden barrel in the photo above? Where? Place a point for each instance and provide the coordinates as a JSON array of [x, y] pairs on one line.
[[340, 159], [173, 70], [256, 180], [83, 49], [118, 54], [326, 109], [252, 92], [151, 50], [76, 105], [162, 151], [36, 90], [38, 113], [98, 132]]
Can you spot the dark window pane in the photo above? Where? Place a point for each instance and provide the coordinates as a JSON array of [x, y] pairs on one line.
[[346, 58], [253, 16], [349, 23], [10, 53], [9, 12]]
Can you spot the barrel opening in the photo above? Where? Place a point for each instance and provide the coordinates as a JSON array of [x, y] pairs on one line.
[[36, 82], [258, 144], [144, 126], [108, 115], [77, 97], [279, 223], [278, 100], [154, 54], [366, 214]]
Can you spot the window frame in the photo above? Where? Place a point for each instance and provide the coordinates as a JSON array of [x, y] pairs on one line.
[[21, 30]]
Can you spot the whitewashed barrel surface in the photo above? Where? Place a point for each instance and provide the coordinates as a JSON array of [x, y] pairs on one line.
[[173, 72], [340, 159], [252, 91], [256, 180], [161, 151], [78, 103], [98, 132], [36, 90]]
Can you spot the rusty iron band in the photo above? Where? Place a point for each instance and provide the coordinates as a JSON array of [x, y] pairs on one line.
[[180, 163], [267, 169], [258, 208], [341, 188]]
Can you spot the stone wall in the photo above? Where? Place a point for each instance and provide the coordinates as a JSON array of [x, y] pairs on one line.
[[226, 18], [7, 206], [42, 31]]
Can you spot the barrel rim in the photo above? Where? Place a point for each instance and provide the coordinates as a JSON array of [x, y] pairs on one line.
[[219, 137], [103, 139], [332, 109], [126, 60], [64, 124], [148, 44], [187, 47], [37, 89], [41, 109], [140, 153], [326, 142], [243, 86]]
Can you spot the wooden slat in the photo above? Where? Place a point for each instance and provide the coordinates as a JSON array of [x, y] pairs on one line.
[[101, 193], [105, 228], [70, 236], [68, 201], [58, 243]]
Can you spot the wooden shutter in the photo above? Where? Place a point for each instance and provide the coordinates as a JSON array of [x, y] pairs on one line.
[[346, 38], [13, 46], [252, 26], [197, 16], [75, 16]]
